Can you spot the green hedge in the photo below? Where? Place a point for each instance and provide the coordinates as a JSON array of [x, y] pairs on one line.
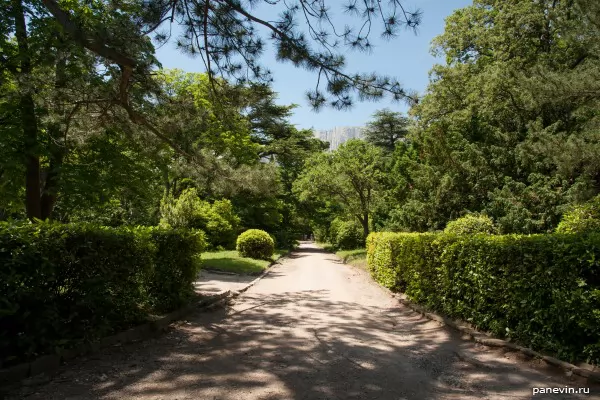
[[176, 265], [541, 290], [62, 284]]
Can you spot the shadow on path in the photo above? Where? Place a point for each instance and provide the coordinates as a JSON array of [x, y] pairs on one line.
[[311, 329], [295, 345]]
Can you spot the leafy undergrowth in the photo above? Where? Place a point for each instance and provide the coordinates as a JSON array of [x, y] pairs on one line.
[[356, 257], [230, 261]]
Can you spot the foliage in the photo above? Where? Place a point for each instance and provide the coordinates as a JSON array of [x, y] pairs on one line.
[[230, 37], [349, 176], [540, 290], [188, 211], [581, 218], [255, 243], [508, 126], [176, 266], [386, 129], [64, 283], [346, 235], [471, 224]]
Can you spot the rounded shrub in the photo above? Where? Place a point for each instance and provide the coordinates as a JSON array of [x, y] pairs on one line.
[[471, 224], [255, 243], [581, 218]]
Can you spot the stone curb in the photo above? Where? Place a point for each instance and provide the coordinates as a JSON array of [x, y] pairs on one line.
[[584, 370], [47, 365], [218, 272]]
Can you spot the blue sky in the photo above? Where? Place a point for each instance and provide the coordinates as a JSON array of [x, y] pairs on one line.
[[406, 57]]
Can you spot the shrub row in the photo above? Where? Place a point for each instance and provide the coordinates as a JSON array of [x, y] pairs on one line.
[[540, 290], [62, 284]]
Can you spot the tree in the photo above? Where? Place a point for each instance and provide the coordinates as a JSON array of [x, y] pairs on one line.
[[226, 35], [509, 124], [78, 71], [349, 176], [386, 129]]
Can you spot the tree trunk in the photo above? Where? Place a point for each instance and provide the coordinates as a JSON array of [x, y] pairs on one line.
[[28, 117], [50, 193], [57, 134], [365, 224]]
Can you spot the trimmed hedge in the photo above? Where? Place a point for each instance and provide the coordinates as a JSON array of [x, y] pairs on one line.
[[63, 284], [255, 243], [176, 266], [541, 290]]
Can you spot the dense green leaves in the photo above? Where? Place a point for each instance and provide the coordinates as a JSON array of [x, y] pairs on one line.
[[67, 283], [386, 129], [540, 290], [471, 224], [345, 235], [506, 126], [350, 176], [218, 220], [255, 243], [581, 218]]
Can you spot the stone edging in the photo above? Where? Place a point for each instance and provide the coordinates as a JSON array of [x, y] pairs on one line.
[[39, 370], [584, 370]]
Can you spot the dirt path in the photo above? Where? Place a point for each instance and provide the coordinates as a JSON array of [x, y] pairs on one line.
[[312, 329]]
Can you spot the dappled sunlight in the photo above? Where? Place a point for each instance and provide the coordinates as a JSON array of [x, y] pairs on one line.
[[278, 343]]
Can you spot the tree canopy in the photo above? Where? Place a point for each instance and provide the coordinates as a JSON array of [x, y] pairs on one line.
[[349, 176]]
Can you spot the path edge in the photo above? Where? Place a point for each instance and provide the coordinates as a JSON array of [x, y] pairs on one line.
[[42, 368], [584, 370]]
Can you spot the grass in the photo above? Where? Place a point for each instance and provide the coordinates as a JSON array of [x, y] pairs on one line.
[[357, 257], [230, 261], [326, 246]]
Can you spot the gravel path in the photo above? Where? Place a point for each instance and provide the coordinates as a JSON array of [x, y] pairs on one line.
[[311, 329], [210, 282]]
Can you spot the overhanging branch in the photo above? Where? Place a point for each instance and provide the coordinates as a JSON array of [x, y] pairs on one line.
[[92, 43]]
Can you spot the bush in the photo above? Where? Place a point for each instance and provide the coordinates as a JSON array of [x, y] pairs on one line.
[[177, 263], [333, 231], [349, 236], [255, 243], [541, 290], [581, 218], [286, 239], [471, 224], [63, 284], [346, 235], [188, 211], [320, 234]]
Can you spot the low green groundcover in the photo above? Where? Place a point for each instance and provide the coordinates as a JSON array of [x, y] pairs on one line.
[[231, 261]]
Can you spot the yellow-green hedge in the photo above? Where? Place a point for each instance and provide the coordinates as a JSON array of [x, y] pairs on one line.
[[541, 290]]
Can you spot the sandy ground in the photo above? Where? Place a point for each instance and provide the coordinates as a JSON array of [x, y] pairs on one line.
[[213, 283], [311, 329]]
